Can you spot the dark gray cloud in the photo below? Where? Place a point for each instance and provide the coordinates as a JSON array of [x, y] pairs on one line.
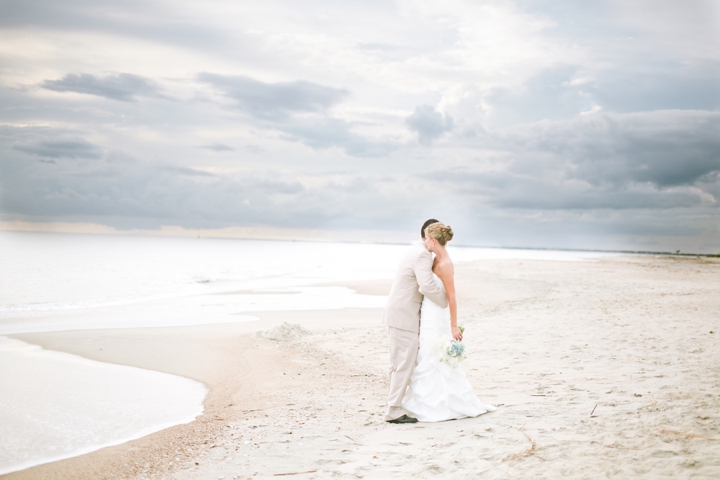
[[123, 86], [666, 148], [126, 192], [75, 148], [274, 100], [658, 160], [298, 110], [507, 190], [428, 123], [139, 193], [153, 195]]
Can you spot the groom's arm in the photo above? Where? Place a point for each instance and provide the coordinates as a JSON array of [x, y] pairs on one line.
[[424, 276]]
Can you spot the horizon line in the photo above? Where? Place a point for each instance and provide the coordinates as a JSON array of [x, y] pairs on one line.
[[181, 232]]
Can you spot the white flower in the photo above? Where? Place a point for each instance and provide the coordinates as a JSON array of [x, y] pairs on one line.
[[451, 351]]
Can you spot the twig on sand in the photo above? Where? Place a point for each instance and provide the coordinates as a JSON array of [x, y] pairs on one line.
[[615, 445], [684, 434], [593, 410], [348, 436], [650, 405], [293, 473], [526, 453]]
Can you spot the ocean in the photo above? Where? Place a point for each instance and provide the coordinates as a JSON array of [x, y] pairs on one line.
[[54, 405]]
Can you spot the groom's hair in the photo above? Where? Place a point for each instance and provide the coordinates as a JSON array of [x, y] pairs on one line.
[[425, 225]]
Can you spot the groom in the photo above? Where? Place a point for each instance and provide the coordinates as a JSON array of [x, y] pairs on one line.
[[402, 316]]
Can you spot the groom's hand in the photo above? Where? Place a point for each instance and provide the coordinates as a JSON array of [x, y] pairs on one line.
[[457, 334]]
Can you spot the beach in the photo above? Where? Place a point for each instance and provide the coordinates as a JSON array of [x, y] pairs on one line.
[[600, 368]]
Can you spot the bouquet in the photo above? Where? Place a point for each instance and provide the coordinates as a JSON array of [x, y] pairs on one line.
[[451, 351]]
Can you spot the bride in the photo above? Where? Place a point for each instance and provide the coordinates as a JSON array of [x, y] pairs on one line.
[[437, 390]]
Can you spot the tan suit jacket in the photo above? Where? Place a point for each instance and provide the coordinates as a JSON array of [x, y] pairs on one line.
[[414, 279]]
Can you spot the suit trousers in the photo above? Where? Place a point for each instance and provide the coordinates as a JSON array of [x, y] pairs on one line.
[[403, 356]]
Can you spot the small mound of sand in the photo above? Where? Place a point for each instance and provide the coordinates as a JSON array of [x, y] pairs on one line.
[[284, 333]]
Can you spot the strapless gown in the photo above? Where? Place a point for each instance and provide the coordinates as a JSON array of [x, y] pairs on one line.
[[437, 391]]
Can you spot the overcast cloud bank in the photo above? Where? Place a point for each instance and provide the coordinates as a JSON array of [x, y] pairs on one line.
[[520, 125]]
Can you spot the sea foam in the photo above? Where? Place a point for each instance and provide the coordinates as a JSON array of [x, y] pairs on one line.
[[55, 405]]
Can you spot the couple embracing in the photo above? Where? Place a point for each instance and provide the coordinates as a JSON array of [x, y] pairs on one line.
[[421, 316]]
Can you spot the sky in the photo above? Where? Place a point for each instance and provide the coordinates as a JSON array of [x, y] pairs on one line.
[[552, 124]]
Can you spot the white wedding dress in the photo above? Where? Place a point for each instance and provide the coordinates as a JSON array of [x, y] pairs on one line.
[[437, 391]]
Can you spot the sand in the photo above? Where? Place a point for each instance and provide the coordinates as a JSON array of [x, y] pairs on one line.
[[600, 369]]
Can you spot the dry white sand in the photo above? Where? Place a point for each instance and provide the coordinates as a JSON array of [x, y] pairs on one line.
[[608, 368]]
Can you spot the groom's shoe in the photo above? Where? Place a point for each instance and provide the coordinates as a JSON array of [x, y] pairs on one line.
[[403, 419]]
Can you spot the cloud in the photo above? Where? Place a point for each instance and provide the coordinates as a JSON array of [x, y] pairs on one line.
[[254, 149], [154, 195], [428, 123], [677, 29], [274, 100], [551, 94], [123, 87], [563, 91], [298, 110], [658, 85], [75, 148], [324, 132], [553, 117], [505, 190], [665, 148], [185, 171], [127, 19], [652, 160], [148, 193], [218, 147]]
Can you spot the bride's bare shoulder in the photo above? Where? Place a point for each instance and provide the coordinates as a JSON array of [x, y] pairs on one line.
[[443, 267]]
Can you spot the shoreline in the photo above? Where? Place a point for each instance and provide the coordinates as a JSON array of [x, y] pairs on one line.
[[208, 350], [596, 366], [341, 241]]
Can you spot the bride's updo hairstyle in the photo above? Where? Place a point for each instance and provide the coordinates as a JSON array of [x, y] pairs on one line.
[[440, 232]]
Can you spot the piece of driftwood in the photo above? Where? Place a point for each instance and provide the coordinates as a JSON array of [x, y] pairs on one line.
[[293, 473], [526, 453], [684, 434]]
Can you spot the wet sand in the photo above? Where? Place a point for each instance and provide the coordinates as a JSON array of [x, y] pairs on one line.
[[605, 368]]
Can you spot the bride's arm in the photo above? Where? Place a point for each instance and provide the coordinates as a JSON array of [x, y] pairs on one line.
[[446, 272]]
